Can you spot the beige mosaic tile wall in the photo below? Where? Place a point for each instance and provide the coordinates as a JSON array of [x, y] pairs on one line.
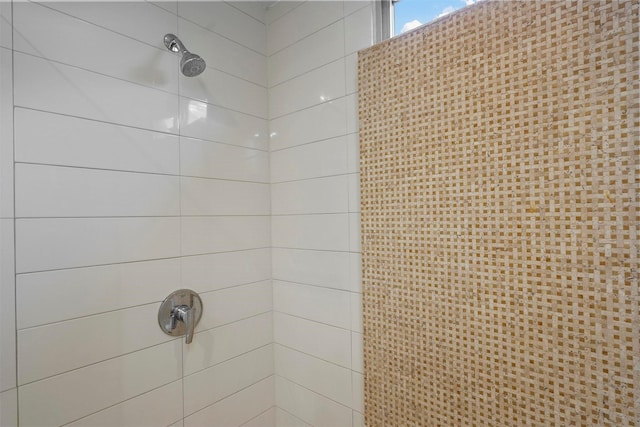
[[499, 149]]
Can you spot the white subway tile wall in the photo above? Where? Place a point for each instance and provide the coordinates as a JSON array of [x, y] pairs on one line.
[[312, 70], [132, 181], [8, 348]]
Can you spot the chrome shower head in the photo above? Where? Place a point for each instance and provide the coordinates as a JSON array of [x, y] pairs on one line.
[[190, 64]]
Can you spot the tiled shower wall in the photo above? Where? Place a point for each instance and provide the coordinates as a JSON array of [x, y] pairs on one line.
[[132, 181], [312, 62], [499, 159]]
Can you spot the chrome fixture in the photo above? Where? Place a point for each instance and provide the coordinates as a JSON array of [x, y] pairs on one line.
[[179, 314], [190, 64]]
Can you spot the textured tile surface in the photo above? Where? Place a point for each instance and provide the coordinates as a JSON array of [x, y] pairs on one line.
[[499, 215]]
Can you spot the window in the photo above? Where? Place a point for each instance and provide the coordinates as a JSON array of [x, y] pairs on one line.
[[409, 14]]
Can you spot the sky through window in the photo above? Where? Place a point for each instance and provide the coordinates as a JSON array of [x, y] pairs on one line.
[[410, 14]]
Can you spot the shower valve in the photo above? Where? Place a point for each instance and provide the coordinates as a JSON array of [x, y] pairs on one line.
[[179, 314]]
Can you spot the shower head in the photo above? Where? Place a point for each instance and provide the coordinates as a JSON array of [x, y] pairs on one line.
[[190, 64]]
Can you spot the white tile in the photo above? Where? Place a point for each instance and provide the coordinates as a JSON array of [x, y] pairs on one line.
[[256, 9], [6, 133], [80, 342], [358, 30], [355, 272], [225, 90], [40, 31], [358, 391], [323, 305], [321, 232], [322, 158], [214, 384], [43, 85], [315, 87], [285, 419], [317, 375], [53, 296], [354, 193], [352, 113], [158, 407], [237, 409], [203, 235], [222, 54], [168, 5], [213, 123], [139, 20], [70, 141], [202, 196], [354, 232], [216, 345], [213, 160], [351, 73], [351, 6], [9, 408], [310, 407], [277, 10], [317, 123], [47, 244], [353, 153], [300, 22], [204, 273], [119, 379], [356, 312], [5, 25], [227, 21], [267, 418], [314, 51], [310, 196], [322, 341], [357, 355], [233, 304], [322, 268], [7, 307], [55, 191], [358, 419]]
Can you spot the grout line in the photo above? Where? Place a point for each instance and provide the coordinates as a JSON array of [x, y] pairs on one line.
[[158, 344], [341, 58], [128, 171], [287, 181], [244, 353], [315, 250], [315, 392], [177, 257], [227, 215], [261, 413], [263, 54], [121, 402], [306, 36], [273, 2], [13, 184], [316, 286], [87, 70], [42, 4], [294, 416], [315, 141], [20, 107], [313, 106], [249, 15], [233, 394], [319, 323], [147, 304]]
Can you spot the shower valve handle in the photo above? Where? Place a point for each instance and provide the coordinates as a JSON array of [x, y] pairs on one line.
[[184, 313], [179, 314]]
